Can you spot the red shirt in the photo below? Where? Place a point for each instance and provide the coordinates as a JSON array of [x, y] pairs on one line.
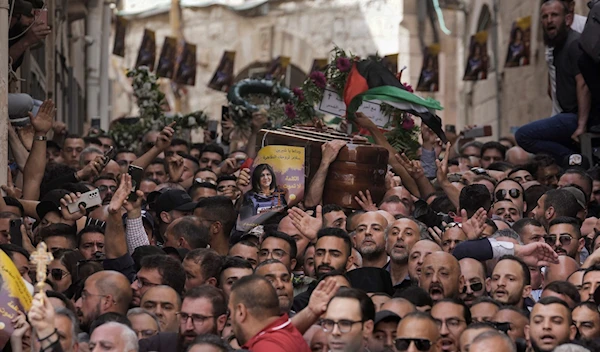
[[279, 336]]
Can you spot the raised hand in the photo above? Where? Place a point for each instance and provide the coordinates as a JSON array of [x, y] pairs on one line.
[[442, 166], [436, 234], [92, 169], [41, 315], [229, 166], [306, 224], [474, 226], [164, 138], [43, 120], [365, 201], [10, 189], [413, 167], [363, 121], [244, 179], [175, 166], [536, 254], [321, 296], [37, 33], [119, 198]]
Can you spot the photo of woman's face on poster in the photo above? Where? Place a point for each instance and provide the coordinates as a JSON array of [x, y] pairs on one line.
[[223, 77], [477, 63], [518, 52], [147, 53], [429, 78]]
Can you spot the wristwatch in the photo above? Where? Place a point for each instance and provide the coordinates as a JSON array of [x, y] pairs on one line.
[[40, 138]]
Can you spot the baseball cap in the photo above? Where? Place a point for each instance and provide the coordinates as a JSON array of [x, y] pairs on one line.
[[174, 199], [576, 161], [386, 315], [50, 202], [21, 7]]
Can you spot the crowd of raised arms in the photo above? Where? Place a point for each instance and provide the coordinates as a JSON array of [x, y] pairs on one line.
[[474, 246]]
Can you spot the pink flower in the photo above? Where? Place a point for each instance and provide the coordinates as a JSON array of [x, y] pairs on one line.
[[319, 79], [408, 123], [289, 111], [409, 87], [343, 64], [298, 93]]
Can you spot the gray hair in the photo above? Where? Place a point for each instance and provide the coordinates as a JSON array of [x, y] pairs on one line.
[[570, 347], [127, 334], [86, 151], [491, 334], [510, 233], [74, 323], [140, 311]]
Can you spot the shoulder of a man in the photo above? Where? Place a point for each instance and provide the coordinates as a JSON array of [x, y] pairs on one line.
[[284, 340], [163, 341]]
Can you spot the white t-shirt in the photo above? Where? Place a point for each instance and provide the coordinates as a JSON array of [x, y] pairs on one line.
[[577, 25]]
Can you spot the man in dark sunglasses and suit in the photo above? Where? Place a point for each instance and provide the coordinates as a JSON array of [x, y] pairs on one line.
[[418, 331]]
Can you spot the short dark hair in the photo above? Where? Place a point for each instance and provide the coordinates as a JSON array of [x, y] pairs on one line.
[[546, 301], [169, 268], [524, 267], [589, 183], [466, 310], [219, 208], [90, 140], [339, 233], [213, 148], [587, 304], [10, 249], [328, 208], [473, 197], [563, 202], [485, 299], [257, 294], [500, 166], [179, 141], [271, 261], [475, 144], [516, 310], [190, 158], [212, 340], [66, 301], [415, 295], [89, 229], [564, 288], [520, 168], [59, 230], [158, 161], [442, 204], [192, 230], [284, 236], [520, 224], [107, 318], [494, 145], [590, 269], [215, 295], [210, 262], [575, 223], [367, 308], [233, 262], [226, 178], [534, 193]]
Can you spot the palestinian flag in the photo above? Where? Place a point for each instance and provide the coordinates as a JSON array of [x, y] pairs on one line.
[[370, 80]]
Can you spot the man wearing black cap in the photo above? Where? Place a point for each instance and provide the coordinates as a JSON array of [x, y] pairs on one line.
[[172, 204], [384, 332], [48, 209]]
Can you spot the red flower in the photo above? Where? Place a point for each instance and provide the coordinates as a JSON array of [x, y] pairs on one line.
[[319, 79], [409, 87], [343, 64], [289, 111], [408, 123], [298, 93]]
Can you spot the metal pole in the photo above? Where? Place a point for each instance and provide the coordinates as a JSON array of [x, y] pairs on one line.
[[104, 58], [177, 32], [4, 7], [498, 74], [93, 54]]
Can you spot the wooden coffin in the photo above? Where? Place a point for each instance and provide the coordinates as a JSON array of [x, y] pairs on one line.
[[360, 166]]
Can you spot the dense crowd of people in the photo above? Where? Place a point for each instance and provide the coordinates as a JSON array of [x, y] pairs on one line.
[[474, 247]]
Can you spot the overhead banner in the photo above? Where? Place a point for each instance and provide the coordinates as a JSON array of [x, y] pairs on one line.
[[391, 62], [120, 31], [430, 73], [186, 66], [147, 53], [519, 52], [478, 61], [278, 68], [223, 77], [319, 65], [166, 61]]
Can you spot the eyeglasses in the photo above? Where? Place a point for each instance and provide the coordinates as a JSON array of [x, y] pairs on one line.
[[513, 193], [453, 224], [141, 284], [475, 287], [104, 188], [144, 334], [276, 253], [197, 319], [402, 344], [564, 239], [58, 274], [344, 325], [451, 323]]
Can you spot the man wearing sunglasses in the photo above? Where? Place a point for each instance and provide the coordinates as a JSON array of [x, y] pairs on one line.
[[564, 235], [508, 189], [474, 273], [417, 332]]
